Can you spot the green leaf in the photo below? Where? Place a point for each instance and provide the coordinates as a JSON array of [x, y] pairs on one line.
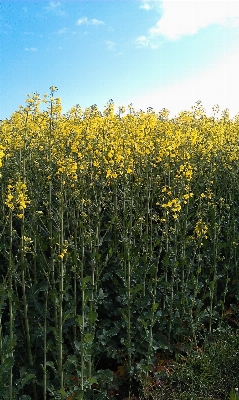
[[68, 315], [25, 379], [144, 323], [77, 345], [155, 306], [50, 364], [137, 288], [85, 280], [105, 375], [166, 261], [6, 365], [88, 338], [124, 315], [62, 392], [101, 294], [92, 316], [40, 287], [93, 380], [79, 320]]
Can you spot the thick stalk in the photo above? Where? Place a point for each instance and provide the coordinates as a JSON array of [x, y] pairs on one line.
[[127, 232], [212, 287], [61, 288], [45, 351], [75, 271], [183, 257], [150, 261], [166, 233], [24, 296], [94, 274], [11, 318], [82, 310], [172, 292], [23, 271], [196, 289]]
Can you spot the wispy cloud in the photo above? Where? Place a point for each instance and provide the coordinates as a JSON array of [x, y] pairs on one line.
[[55, 8], [86, 21], [180, 18], [151, 4], [145, 41], [146, 6], [53, 5], [110, 45], [61, 31], [30, 49]]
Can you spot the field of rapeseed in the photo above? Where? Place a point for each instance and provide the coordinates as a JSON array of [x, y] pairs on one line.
[[119, 243]]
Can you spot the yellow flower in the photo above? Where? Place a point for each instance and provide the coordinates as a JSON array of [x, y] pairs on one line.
[[129, 170], [17, 196], [108, 173], [201, 229]]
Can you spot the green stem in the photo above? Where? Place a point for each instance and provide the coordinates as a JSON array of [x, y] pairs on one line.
[[45, 351], [82, 309], [61, 288], [213, 283], [11, 318], [25, 304]]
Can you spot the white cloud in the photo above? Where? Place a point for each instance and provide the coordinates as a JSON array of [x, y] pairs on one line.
[[61, 31], [82, 21], [146, 6], [187, 17], [144, 41], [110, 45], [30, 49], [54, 4], [86, 21], [218, 84], [54, 7], [96, 22], [150, 4]]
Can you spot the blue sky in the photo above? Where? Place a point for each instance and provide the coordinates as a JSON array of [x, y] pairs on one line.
[[152, 53]]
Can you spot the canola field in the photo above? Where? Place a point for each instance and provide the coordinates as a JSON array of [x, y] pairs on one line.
[[119, 238]]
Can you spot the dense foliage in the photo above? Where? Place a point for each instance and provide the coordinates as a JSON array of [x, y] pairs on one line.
[[208, 372], [119, 241]]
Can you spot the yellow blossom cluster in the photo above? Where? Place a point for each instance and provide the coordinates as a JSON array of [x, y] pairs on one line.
[[63, 251], [201, 229], [127, 146], [16, 196], [173, 206], [1, 154], [185, 171]]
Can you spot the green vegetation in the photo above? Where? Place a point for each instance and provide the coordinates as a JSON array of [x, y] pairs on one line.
[[118, 254], [207, 372]]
